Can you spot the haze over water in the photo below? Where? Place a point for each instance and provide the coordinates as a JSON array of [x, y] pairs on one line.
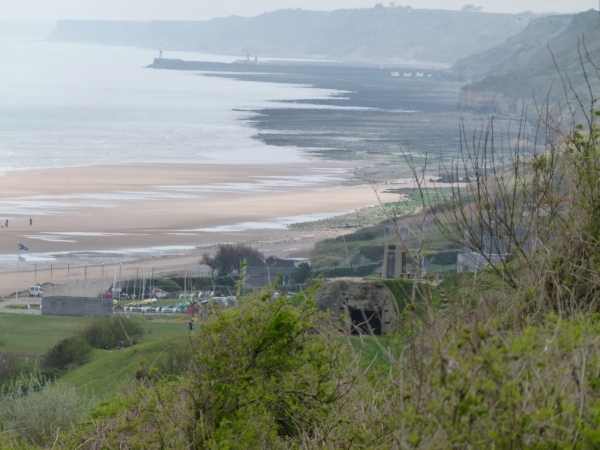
[[64, 104]]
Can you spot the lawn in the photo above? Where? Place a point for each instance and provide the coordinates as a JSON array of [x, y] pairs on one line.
[[371, 351], [109, 371], [30, 335]]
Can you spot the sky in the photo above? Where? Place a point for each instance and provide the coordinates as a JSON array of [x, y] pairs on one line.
[[53, 10]]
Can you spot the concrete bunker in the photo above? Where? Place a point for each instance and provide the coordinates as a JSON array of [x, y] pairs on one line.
[[359, 308]]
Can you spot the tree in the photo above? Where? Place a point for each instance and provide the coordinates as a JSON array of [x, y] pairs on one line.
[[229, 258], [531, 206], [301, 274]]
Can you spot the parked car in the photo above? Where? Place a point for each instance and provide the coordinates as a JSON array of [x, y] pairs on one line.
[[172, 309], [152, 309], [138, 309], [36, 291], [187, 295], [159, 293]]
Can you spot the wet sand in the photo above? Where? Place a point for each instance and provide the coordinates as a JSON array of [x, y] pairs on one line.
[[163, 216]]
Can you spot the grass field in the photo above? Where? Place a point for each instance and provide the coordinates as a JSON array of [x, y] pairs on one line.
[[371, 351], [31, 335], [109, 371]]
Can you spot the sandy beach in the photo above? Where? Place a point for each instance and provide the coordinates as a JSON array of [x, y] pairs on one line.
[[162, 216]]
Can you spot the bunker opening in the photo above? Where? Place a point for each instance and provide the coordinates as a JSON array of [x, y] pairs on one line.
[[365, 322]]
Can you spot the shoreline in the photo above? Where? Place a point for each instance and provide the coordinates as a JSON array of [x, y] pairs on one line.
[[167, 214]]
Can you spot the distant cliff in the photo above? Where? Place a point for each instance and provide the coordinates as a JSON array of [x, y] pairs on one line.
[[36, 29], [376, 34], [522, 70]]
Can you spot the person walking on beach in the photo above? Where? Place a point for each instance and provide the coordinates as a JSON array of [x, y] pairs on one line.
[[6, 224], [30, 221]]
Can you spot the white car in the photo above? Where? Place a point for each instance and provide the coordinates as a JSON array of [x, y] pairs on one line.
[[36, 291], [159, 293], [170, 309]]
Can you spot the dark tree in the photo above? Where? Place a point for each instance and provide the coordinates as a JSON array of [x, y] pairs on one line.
[[301, 274], [229, 258]]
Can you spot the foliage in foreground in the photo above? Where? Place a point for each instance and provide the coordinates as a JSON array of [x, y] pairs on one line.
[[263, 378], [34, 410], [480, 386], [264, 375]]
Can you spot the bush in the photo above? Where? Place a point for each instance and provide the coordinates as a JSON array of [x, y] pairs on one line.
[[477, 385], [107, 332], [68, 353], [264, 375], [33, 410]]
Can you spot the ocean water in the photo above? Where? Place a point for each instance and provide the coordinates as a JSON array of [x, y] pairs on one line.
[[65, 104]]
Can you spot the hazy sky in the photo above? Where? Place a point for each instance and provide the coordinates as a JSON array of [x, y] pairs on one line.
[[52, 10]]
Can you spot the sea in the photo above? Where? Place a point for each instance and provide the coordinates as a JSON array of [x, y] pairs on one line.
[[70, 104]]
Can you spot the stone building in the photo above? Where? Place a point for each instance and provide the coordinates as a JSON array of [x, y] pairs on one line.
[[77, 306], [359, 307]]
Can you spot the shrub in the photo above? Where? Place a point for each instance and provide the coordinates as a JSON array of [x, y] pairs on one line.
[[33, 410], [107, 332], [477, 385], [68, 353], [264, 375]]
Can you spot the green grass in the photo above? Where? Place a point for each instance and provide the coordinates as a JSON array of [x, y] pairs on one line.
[[371, 351], [16, 306], [109, 371], [30, 335]]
